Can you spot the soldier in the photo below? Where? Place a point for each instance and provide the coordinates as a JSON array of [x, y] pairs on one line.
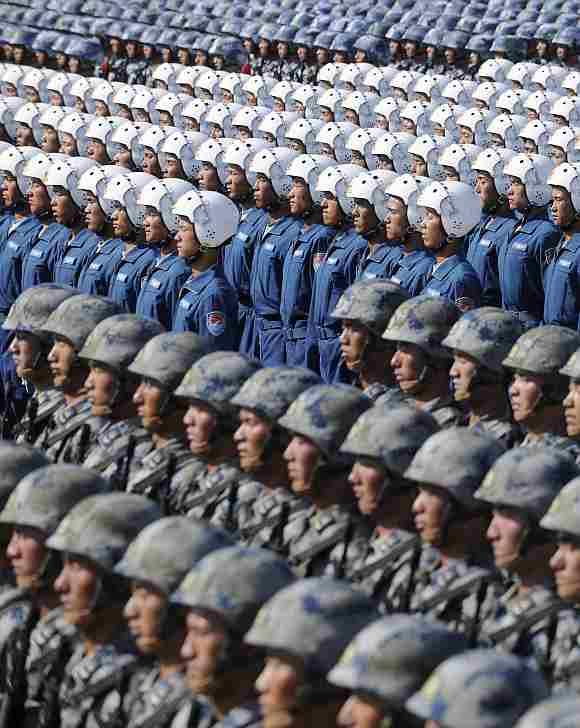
[[330, 535], [68, 435], [108, 351], [538, 389], [161, 364], [420, 363], [92, 539], [365, 310], [223, 594], [384, 441], [33, 511], [209, 423], [558, 712], [478, 688], [480, 341], [385, 664], [520, 487], [155, 563], [303, 630]]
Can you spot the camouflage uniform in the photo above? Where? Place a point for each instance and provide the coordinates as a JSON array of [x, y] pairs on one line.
[[558, 442], [560, 711], [39, 409]]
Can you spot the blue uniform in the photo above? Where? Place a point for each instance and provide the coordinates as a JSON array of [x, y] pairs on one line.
[[76, 250], [300, 265], [562, 285], [42, 260], [208, 306], [161, 287], [19, 239], [237, 264], [271, 243], [14, 394], [335, 274], [377, 263], [6, 220], [456, 280], [481, 252], [524, 249], [412, 270], [127, 275], [99, 267]]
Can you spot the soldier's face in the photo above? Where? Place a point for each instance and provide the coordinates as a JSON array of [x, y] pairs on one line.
[[279, 105], [236, 184], [101, 109], [557, 155], [359, 160], [77, 586], [123, 158], [299, 198], [327, 116], [61, 359], [559, 121], [396, 220], [264, 194], [215, 131], [150, 401], [165, 118], [38, 199], [418, 166], [151, 163], [202, 651], [408, 364], [26, 554], [277, 686], [102, 386], [50, 142], [94, 217], [572, 409], [352, 116], [25, 350], [462, 372], [200, 427], [24, 136], [430, 511], [361, 712], [364, 217], [485, 188], [121, 223], [302, 459], [144, 613], [466, 136], [566, 567], [208, 179], [98, 151], [331, 211], [564, 213], [432, 230], [155, 230], [68, 145], [186, 240], [353, 342], [506, 533], [368, 481], [525, 392], [251, 438], [63, 208], [10, 191]]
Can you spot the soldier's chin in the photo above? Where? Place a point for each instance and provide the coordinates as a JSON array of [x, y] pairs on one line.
[[202, 684], [278, 719]]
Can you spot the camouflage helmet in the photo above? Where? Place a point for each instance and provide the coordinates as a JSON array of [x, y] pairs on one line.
[[100, 528], [77, 316], [234, 583], [167, 549], [392, 657], [324, 414], [424, 321], [572, 367], [481, 689], [455, 460], [543, 350], [117, 340], [314, 620], [527, 479], [270, 391], [487, 334], [17, 461], [563, 513], [32, 308], [372, 302], [390, 434], [44, 496], [167, 357], [561, 711], [216, 378]]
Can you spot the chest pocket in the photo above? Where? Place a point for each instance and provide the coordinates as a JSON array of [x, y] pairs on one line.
[[561, 295], [122, 277], [37, 253], [96, 266]]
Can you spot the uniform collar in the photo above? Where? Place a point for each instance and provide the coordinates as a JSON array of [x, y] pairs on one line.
[[442, 270]]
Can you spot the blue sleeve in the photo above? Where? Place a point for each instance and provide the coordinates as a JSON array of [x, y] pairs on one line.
[[218, 320], [172, 297], [467, 288]]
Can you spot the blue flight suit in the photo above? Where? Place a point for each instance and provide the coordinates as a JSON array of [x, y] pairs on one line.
[[160, 288], [14, 395], [481, 251], [42, 260], [411, 270], [128, 272], [377, 263], [524, 250], [208, 306], [300, 265], [272, 242], [75, 253], [6, 220], [456, 280], [99, 267], [335, 274], [237, 265], [562, 285]]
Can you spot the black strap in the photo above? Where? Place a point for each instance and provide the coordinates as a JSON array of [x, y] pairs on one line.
[[527, 621]]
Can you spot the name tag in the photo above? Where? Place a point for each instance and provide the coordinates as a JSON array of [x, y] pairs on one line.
[[122, 277], [396, 280], [485, 242], [268, 246], [96, 266], [565, 263], [370, 276], [242, 236], [299, 253], [37, 253], [13, 245], [185, 304], [432, 292], [70, 259], [155, 283], [521, 246], [332, 261]]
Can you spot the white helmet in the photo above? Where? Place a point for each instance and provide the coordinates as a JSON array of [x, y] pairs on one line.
[[404, 82], [371, 186], [330, 73], [284, 91], [66, 173], [566, 139], [249, 117], [11, 75], [123, 96], [379, 80], [308, 98], [567, 176], [61, 83], [36, 167], [362, 141], [460, 157], [35, 78], [309, 167], [276, 124], [336, 180], [457, 204], [167, 73], [476, 121], [508, 128], [28, 114], [396, 148], [332, 100], [240, 153], [222, 115], [418, 113], [511, 101], [51, 117], [207, 85], [335, 135], [540, 102], [101, 129], [96, 178], [428, 148], [305, 131], [188, 75], [533, 171], [567, 108], [196, 109], [74, 124], [429, 86], [172, 105], [259, 87], [492, 162], [407, 188], [488, 92], [13, 161], [522, 73], [145, 101], [390, 110], [212, 152], [151, 138], [214, 216], [445, 116], [232, 83], [352, 75], [82, 88], [273, 164], [571, 82], [104, 92], [161, 195], [184, 146], [9, 105], [459, 92], [126, 136], [539, 132], [494, 69], [549, 77], [362, 104], [123, 191]]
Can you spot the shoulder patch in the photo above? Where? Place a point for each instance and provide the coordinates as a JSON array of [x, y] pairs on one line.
[[216, 323]]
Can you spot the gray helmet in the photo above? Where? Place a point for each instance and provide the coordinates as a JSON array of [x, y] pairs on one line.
[[372, 302], [572, 367], [456, 460], [100, 528], [314, 620], [117, 340], [561, 711], [543, 350], [563, 514], [527, 479], [392, 657], [392, 435], [216, 378], [479, 689], [32, 308], [424, 321], [167, 549], [77, 316], [17, 461], [44, 496], [234, 583], [270, 391], [325, 413], [167, 357], [486, 334]]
